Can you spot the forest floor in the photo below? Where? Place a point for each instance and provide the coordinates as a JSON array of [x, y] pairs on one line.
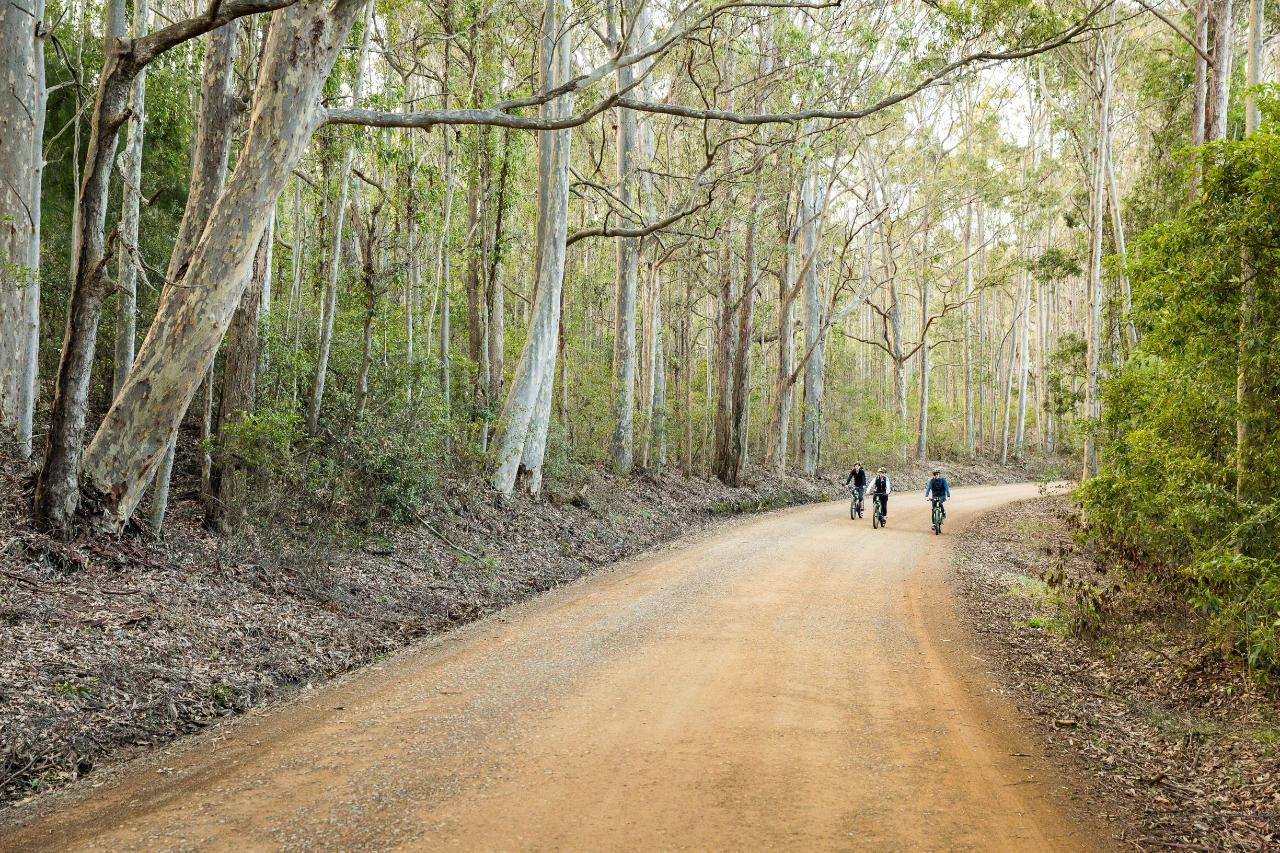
[[112, 646], [786, 681], [1181, 749]]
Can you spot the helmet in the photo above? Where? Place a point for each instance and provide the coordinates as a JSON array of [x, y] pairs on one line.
[[936, 472], [882, 470]]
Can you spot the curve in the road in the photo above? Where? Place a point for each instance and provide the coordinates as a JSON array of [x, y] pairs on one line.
[[794, 680]]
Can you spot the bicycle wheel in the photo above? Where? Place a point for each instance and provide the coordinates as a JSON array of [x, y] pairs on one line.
[[853, 509]]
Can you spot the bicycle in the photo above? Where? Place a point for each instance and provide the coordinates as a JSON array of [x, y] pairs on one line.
[[938, 515], [877, 515], [855, 504]]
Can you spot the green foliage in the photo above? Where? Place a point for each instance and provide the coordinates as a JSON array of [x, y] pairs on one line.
[[1167, 497], [1241, 597]]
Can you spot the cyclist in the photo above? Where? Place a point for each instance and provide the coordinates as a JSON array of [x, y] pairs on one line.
[[858, 477], [881, 487], [938, 489]]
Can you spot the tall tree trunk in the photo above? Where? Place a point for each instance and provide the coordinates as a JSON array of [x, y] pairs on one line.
[[1008, 379], [1253, 65], [814, 334], [1117, 235], [369, 264], [1200, 86], [128, 256], [724, 456], [922, 432], [521, 446], [967, 354], [1092, 403], [746, 326], [444, 273], [214, 124], [302, 43], [622, 448], [780, 422], [658, 387], [1223, 30], [1250, 338], [496, 295], [226, 509], [22, 119], [57, 490], [329, 308]]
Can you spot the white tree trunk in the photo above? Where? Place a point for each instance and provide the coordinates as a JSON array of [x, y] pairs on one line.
[[814, 330], [1253, 65], [128, 253], [1220, 80], [300, 49], [329, 307], [622, 447], [780, 422], [1092, 404], [526, 416], [22, 117], [214, 124], [970, 443]]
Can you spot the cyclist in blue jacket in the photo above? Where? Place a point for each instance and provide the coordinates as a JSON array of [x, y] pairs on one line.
[[938, 488]]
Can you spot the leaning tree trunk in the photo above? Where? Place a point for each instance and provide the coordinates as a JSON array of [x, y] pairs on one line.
[[521, 445], [22, 117], [301, 46], [58, 488], [214, 125], [128, 253]]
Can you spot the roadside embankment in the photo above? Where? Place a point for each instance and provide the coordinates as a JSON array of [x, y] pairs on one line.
[[1179, 747]]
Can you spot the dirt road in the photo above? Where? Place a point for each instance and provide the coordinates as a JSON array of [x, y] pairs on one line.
[[794, 680]]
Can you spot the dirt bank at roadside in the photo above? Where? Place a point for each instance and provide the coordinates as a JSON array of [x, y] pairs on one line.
[[1179, 749]]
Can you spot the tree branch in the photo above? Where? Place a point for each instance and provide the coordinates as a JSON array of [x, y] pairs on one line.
[[220, 12]]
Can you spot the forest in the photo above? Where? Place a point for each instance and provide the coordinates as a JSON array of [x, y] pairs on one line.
[[534, 277], [344, 248]]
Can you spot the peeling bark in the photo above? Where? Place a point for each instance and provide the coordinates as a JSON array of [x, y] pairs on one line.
[[128, 253], [214, 124], [301, 46]]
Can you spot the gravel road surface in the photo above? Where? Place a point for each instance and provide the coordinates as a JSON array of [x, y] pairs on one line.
[[789, 681]]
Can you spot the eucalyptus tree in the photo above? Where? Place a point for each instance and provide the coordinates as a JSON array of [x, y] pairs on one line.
[[286, 108], [57, 490], [23, 32]]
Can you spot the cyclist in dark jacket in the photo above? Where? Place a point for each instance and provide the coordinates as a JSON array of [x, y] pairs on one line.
[[939, 488], [858, 477]]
